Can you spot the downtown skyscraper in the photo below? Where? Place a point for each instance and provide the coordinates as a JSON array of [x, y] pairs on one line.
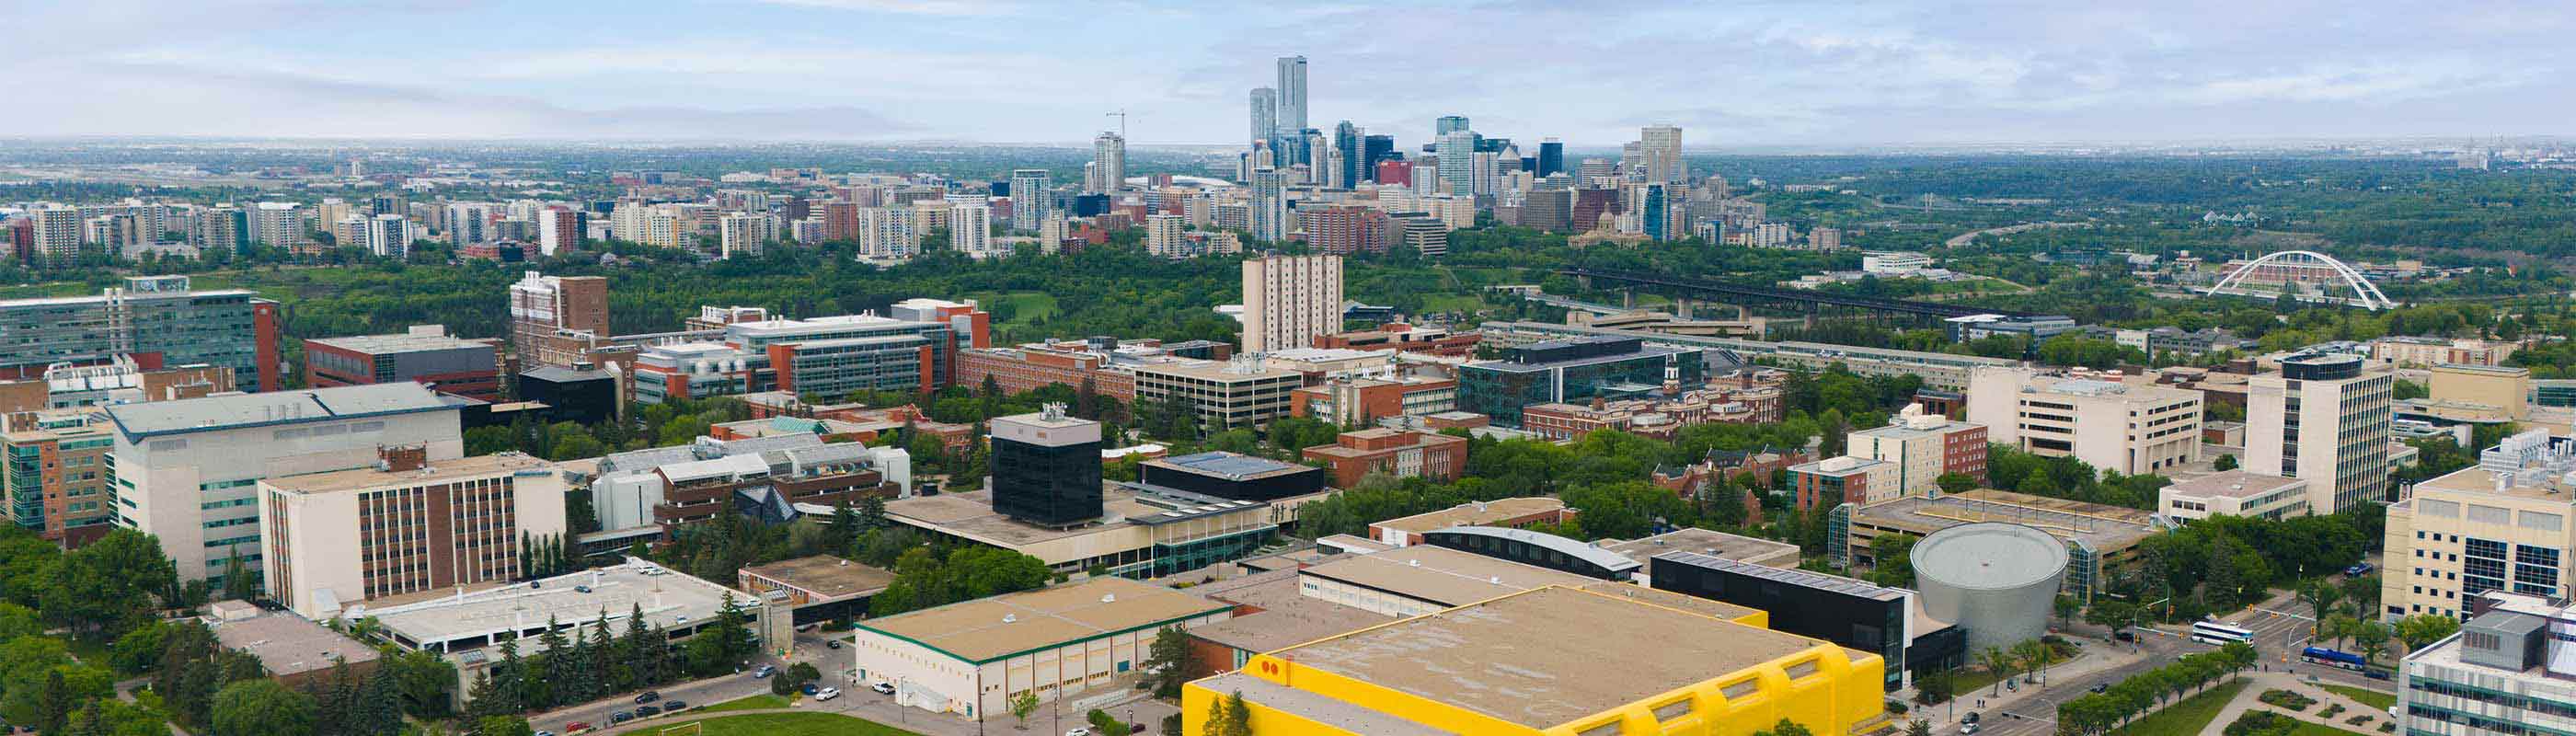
[[1350, 156], [1660, 148], [1291, 117], [1108, 164], [1029, 205], [1265, 113]]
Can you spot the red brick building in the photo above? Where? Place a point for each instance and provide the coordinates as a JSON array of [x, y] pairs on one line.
[[1398, 453], [425, 355], [1362, 400]]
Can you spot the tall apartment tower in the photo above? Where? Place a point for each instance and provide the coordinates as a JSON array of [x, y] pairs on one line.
[[1289, 300], [1661, 148], [1046, 467], [1270, 205], [1447, 124], [1292, 94], [388, 235], [970, 227], [543, 309], [1029, 204], [1163, 234], [2324, 419], [1108, 164], [1458, 161], [1265, 113], [558, 229]]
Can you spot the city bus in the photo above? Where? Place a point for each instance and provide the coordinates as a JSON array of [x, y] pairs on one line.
[[2215, 633], [2334, 658]]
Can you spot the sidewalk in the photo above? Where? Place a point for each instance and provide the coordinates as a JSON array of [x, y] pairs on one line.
[[2098, 657], [2261, 681]]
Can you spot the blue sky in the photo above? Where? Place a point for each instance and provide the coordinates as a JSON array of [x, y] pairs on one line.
[[1732, 74]]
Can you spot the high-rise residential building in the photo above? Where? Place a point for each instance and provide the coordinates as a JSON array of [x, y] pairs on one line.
[[1108, 164], [1292, 93], [1551, 157], [1458, 161], [1660, 147], [154, 320], [1046, 467], [555, 319], [2093, 417], [889, 232], [58, 233], [56, 474], [2500, 525], [2325, 419], [222, 228], [389, 236], [425, 355], [187, 471], [1290, 300], [558, 229], [469, 223], [1825, 238], [1265, 113], [970, 227], [1350, 144], [1163, 234], [742, 233], [1269, 205], [1447, 124], [1030, 203], [277, 224], [405, 525]]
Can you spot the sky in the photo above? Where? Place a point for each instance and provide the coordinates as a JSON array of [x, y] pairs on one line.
[[1732, 74]]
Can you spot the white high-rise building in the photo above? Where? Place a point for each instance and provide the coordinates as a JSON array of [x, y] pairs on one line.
[[2324, 419], [1265, 113], [1163, 234], [389, 236], [1292, 94], [1270, 205], [888, 232], [277, 224], [1108, 164], [469, 223], [1660, 149], [1289, 300], [970, 227], [557, 229], [1029, 204], [58, 232], [743, 232]]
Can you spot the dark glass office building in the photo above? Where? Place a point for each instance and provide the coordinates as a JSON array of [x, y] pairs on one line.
[[1046, 468], [1841, 610], [1374, 149], [1551, 158], [1571, 370]]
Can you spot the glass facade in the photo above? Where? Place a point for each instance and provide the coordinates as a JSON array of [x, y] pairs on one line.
[[1570, 371]]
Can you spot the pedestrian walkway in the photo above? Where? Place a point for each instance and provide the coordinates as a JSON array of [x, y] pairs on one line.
[[2248, 701], [2096, 658]]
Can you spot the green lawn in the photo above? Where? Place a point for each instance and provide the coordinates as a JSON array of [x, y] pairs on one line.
[[2372, 698], [1453, 303], [756, 702], [790, 724], [1025, 305], [2185, 717]]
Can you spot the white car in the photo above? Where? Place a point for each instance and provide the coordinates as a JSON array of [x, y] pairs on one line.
[[1077, 732], [827, 693], [886, 688]]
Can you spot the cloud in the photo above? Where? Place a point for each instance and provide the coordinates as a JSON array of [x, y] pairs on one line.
[[907, 7]]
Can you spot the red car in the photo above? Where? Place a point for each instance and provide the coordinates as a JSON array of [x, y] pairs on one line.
[[576, 727]]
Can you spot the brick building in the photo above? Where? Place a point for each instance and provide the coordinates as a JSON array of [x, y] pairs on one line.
[[425, 355], [1398, 453]]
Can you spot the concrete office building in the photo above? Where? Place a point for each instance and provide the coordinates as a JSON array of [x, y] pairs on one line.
[[2234, 493], [2502, 524], [1057, 644], [1236, 393], [2506, 673], [187, 471], [156, 321], [425, 355], [2090, 416], [773, 479], [2324, 419], [405, 526], [1671, 670], [914, 350]]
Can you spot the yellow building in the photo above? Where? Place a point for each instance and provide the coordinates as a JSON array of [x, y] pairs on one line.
[[1553, 661]]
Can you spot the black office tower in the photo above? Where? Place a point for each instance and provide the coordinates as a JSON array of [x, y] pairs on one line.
[[1551, 158], [1376, 148], [1046, 467]]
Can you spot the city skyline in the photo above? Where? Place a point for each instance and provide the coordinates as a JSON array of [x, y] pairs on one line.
[[975, 71]]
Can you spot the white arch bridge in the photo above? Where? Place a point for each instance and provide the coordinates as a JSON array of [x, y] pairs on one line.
[[2364, 294]]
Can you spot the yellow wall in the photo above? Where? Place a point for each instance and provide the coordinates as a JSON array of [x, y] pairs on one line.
[[1841, 693]]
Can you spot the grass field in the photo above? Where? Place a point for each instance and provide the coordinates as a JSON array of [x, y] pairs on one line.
[[1453, 303], [785, 724], [756, 702], [2185, 717], [2373, 698]]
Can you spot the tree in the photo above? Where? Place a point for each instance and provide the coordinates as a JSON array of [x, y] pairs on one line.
[[1999, 662], [2372, 637], [261, 707], [503, 726], [1238, 716], [1022, 705], [1918, 727], [2421, 630], [2321, 597], [1956, 482], [2066, 606], [2225, 462], [1167, 662], [1785, 727]]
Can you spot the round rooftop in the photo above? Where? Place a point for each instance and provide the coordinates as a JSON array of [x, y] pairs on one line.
[[1989, 556]]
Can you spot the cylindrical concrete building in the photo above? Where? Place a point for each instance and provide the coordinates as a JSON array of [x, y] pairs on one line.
[[1997, 581]]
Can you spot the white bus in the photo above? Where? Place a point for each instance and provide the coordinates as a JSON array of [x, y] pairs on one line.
[[2218, 634]]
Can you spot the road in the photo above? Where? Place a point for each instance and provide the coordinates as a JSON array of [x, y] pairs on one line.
[[1964, 238]]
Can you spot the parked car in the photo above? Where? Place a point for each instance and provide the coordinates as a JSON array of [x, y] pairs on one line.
[[648, 711], [576, 727], [832, 643], [1968, 730], [2358, 569], [886, 688], [827, 693], [1972, 717], [765, 671], [621, 717], [648, 696], [674, 706], [809, 688], [543, 733], [1077, 732], [2098, 687], [2125, 635]]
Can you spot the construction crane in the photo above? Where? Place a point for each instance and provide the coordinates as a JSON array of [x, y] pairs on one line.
[[1121, 115]]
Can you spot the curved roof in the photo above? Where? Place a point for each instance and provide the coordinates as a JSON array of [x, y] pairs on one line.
[[1989, 556], [1606, 559]]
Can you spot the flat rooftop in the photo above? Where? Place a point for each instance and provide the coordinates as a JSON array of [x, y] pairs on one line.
[[1481, 513], [1440, 575], [1287, 618], [2478, 480], [2233, 484], [992, 628], [1644, 352], [1711, 543], [214, 413], [1540, 659], [1321, 709], [1228, 465], [825, 576], [287, 644], [669, 600], [400, 343], [479, 466], [2098, 526], [1214, 371]]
